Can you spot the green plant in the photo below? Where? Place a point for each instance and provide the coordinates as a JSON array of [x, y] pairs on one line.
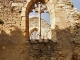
[[1, 22], [70, 4], [78, 15]]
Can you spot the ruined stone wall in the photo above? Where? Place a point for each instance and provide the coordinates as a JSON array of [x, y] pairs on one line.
[[9, 14], [67, 28], [13, 47]]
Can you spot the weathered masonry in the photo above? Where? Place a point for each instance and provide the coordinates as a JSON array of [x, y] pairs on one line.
[[15, 31]]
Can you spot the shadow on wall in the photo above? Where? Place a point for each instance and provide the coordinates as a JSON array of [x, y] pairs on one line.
[[11, 44], [69, 40], [12, 36]]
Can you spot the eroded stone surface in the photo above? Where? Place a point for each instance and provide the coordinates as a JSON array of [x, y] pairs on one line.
[[65, 24]]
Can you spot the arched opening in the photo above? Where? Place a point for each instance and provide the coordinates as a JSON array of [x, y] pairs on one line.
[[48, 4], [34, 34], [43, 25]]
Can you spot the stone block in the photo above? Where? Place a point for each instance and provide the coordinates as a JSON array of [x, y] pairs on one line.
[[23, 23], [23, 18], [52, 11], [60, 5], [24, 33], [17, 4], [52, 6], [23, 27], [57, 19], [1, 6], [53, 58], [28, 1], [52, 16], [23, 13], [7, 32], [23, 9], [53, 23]]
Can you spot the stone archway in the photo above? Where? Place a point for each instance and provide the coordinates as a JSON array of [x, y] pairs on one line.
[[34, 29], [25, 16], [33, 33]]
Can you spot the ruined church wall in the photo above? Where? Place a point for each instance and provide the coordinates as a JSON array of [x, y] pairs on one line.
[[9, 14], [67, 27], [11, 37], [12, 49]]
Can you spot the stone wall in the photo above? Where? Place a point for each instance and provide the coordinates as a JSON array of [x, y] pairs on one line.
[[9, 14], [65, 26]]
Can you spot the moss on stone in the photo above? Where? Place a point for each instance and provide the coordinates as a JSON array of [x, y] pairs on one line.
[[1, 22], [78, 15], [70, 4]]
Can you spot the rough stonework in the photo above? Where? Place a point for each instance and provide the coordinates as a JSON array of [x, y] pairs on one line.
[[14, 32]]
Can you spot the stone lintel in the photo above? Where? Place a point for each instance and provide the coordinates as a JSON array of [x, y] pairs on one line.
[[17, 4], [28, 1], [60, 5]]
